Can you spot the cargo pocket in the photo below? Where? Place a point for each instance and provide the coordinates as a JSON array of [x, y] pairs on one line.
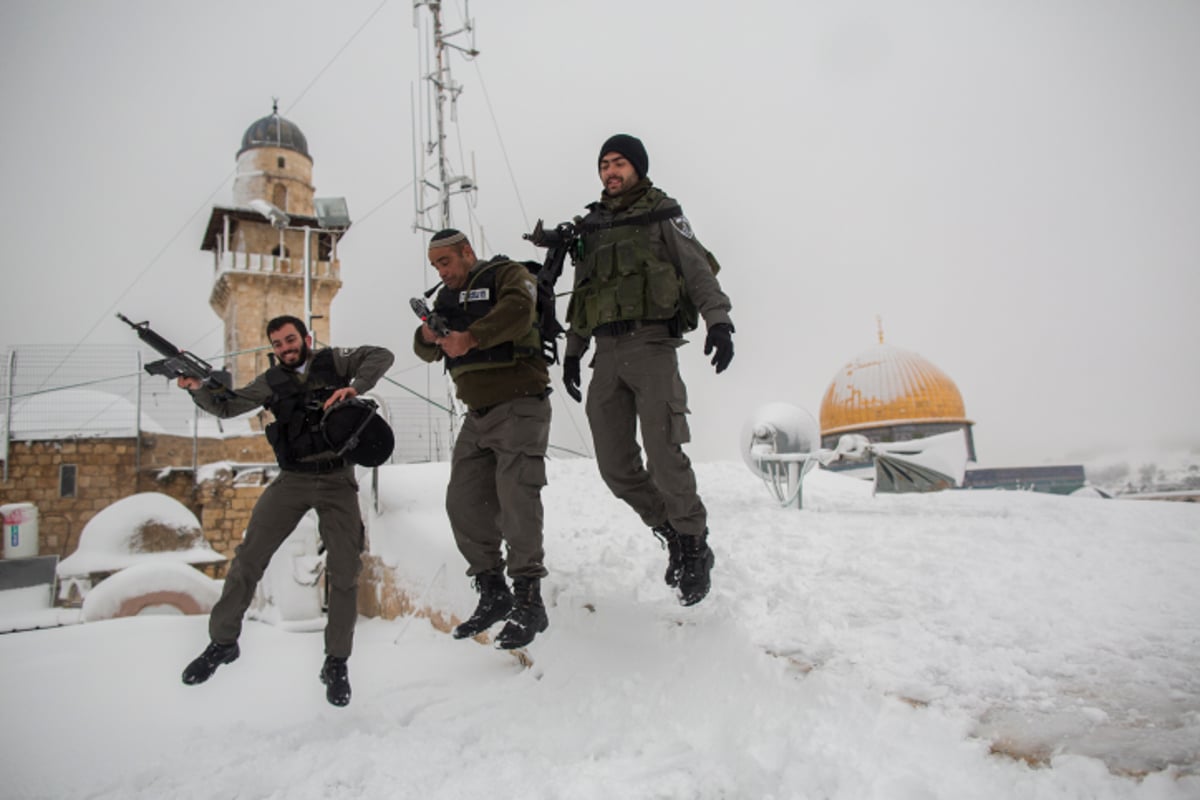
[[680, 432], [533, 471]]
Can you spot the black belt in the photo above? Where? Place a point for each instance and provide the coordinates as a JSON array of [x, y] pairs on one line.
[[314, 466], [479, 412], [624, 326]]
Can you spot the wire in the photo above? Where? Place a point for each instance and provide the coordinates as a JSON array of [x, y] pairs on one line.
[[108, 311], [335, 57], [504, 150], [382, 203], [208, 199]]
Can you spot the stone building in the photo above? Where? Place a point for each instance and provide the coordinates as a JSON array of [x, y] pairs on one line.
[[259, 255], [76, 458]]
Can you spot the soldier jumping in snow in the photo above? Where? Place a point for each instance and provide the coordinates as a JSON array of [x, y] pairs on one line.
[[297, 390], [493, 352], [642, 280]]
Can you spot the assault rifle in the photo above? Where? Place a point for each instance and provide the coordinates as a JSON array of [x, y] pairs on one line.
[[436, 322], [560, 241], [179, 363]]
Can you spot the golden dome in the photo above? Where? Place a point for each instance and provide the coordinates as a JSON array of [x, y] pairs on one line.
[[886, 385]]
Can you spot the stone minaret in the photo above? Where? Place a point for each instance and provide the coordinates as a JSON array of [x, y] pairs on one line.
[[259, 267]]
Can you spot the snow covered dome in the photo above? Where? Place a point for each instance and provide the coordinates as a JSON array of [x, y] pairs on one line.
[[149, 526], [892, 394], [274, 131]]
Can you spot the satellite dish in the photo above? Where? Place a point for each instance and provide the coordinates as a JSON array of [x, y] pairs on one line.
[[778, 429], [780, 444]]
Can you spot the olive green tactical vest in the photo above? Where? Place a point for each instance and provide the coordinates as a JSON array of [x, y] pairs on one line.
[[620, 276]]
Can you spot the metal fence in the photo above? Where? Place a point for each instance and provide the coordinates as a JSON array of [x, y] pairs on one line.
[[59, 391]]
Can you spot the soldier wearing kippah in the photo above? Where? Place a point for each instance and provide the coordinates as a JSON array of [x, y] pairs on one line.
[[494, 355]]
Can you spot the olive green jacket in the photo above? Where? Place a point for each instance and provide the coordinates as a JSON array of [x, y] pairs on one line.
[[510, 320], [364, 366]]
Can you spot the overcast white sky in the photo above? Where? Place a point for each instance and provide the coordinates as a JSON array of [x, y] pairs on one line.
[[1013, 187]]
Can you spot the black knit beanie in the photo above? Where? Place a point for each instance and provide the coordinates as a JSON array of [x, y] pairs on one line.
[[629, 146]]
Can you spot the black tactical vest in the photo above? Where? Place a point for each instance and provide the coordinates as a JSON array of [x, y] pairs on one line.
[[296, 432], [461, 307]]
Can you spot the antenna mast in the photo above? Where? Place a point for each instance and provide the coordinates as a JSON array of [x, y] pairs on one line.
[[444, 91], [441, 90]]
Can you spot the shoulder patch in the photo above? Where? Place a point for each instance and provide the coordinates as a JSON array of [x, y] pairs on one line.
[[683, 226], [346, 351]]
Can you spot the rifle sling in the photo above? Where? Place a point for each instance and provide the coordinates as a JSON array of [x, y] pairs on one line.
[[657, 215]]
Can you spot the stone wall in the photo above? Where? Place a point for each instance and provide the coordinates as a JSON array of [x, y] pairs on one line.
[[108, 470], [247, 300], [224, 506], [223, 501], [258, 172]]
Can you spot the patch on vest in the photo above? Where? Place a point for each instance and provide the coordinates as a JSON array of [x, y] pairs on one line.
[[683, 226], [474, 295]]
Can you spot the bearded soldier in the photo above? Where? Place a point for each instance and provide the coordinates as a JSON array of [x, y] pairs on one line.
[[642, 280], [297, 391], [493, 353]]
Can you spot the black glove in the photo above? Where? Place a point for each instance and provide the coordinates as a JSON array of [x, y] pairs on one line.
[[570, 377], [720, 338]]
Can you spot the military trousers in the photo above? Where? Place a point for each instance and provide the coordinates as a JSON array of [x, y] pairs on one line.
[[334, 496], [494, 497], [636, 383]]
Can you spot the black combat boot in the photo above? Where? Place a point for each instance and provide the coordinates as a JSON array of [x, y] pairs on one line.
[[697, 562], [205, 664], [528, 617], [336, 680], [670, 542], [495, 601]]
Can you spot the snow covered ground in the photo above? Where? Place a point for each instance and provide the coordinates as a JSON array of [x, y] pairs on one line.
[[865, 647]]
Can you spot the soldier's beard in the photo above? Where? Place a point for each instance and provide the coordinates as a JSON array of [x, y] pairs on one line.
[[299, 356]]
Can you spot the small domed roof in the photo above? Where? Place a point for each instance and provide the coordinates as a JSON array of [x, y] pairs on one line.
[[274, 131], [885, 385]]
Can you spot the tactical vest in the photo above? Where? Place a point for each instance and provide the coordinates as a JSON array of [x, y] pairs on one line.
[[620, 276], [461, 307], [296, 432]]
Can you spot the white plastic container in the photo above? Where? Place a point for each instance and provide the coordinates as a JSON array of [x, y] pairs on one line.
[[20, 530]]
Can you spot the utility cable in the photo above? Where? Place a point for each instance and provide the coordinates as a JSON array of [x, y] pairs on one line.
[[208, 200], [503, 150]]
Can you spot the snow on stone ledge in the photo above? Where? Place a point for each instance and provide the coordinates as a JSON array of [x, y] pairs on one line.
[[151, 585], [150, 526]]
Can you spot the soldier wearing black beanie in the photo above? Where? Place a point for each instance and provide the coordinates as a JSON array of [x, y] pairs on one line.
[[629, 146], [643, 280]]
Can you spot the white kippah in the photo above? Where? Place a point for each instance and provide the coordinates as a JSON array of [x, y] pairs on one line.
[[453, 239]]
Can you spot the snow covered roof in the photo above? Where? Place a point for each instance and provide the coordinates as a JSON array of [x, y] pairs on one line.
[[887, 384], [150, 526], [77, 412], [91, 413]]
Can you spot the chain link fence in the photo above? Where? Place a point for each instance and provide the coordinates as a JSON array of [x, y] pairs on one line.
[[59, 391]]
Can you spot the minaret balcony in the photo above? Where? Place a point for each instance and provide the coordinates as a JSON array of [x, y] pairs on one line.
[[275, 265]]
